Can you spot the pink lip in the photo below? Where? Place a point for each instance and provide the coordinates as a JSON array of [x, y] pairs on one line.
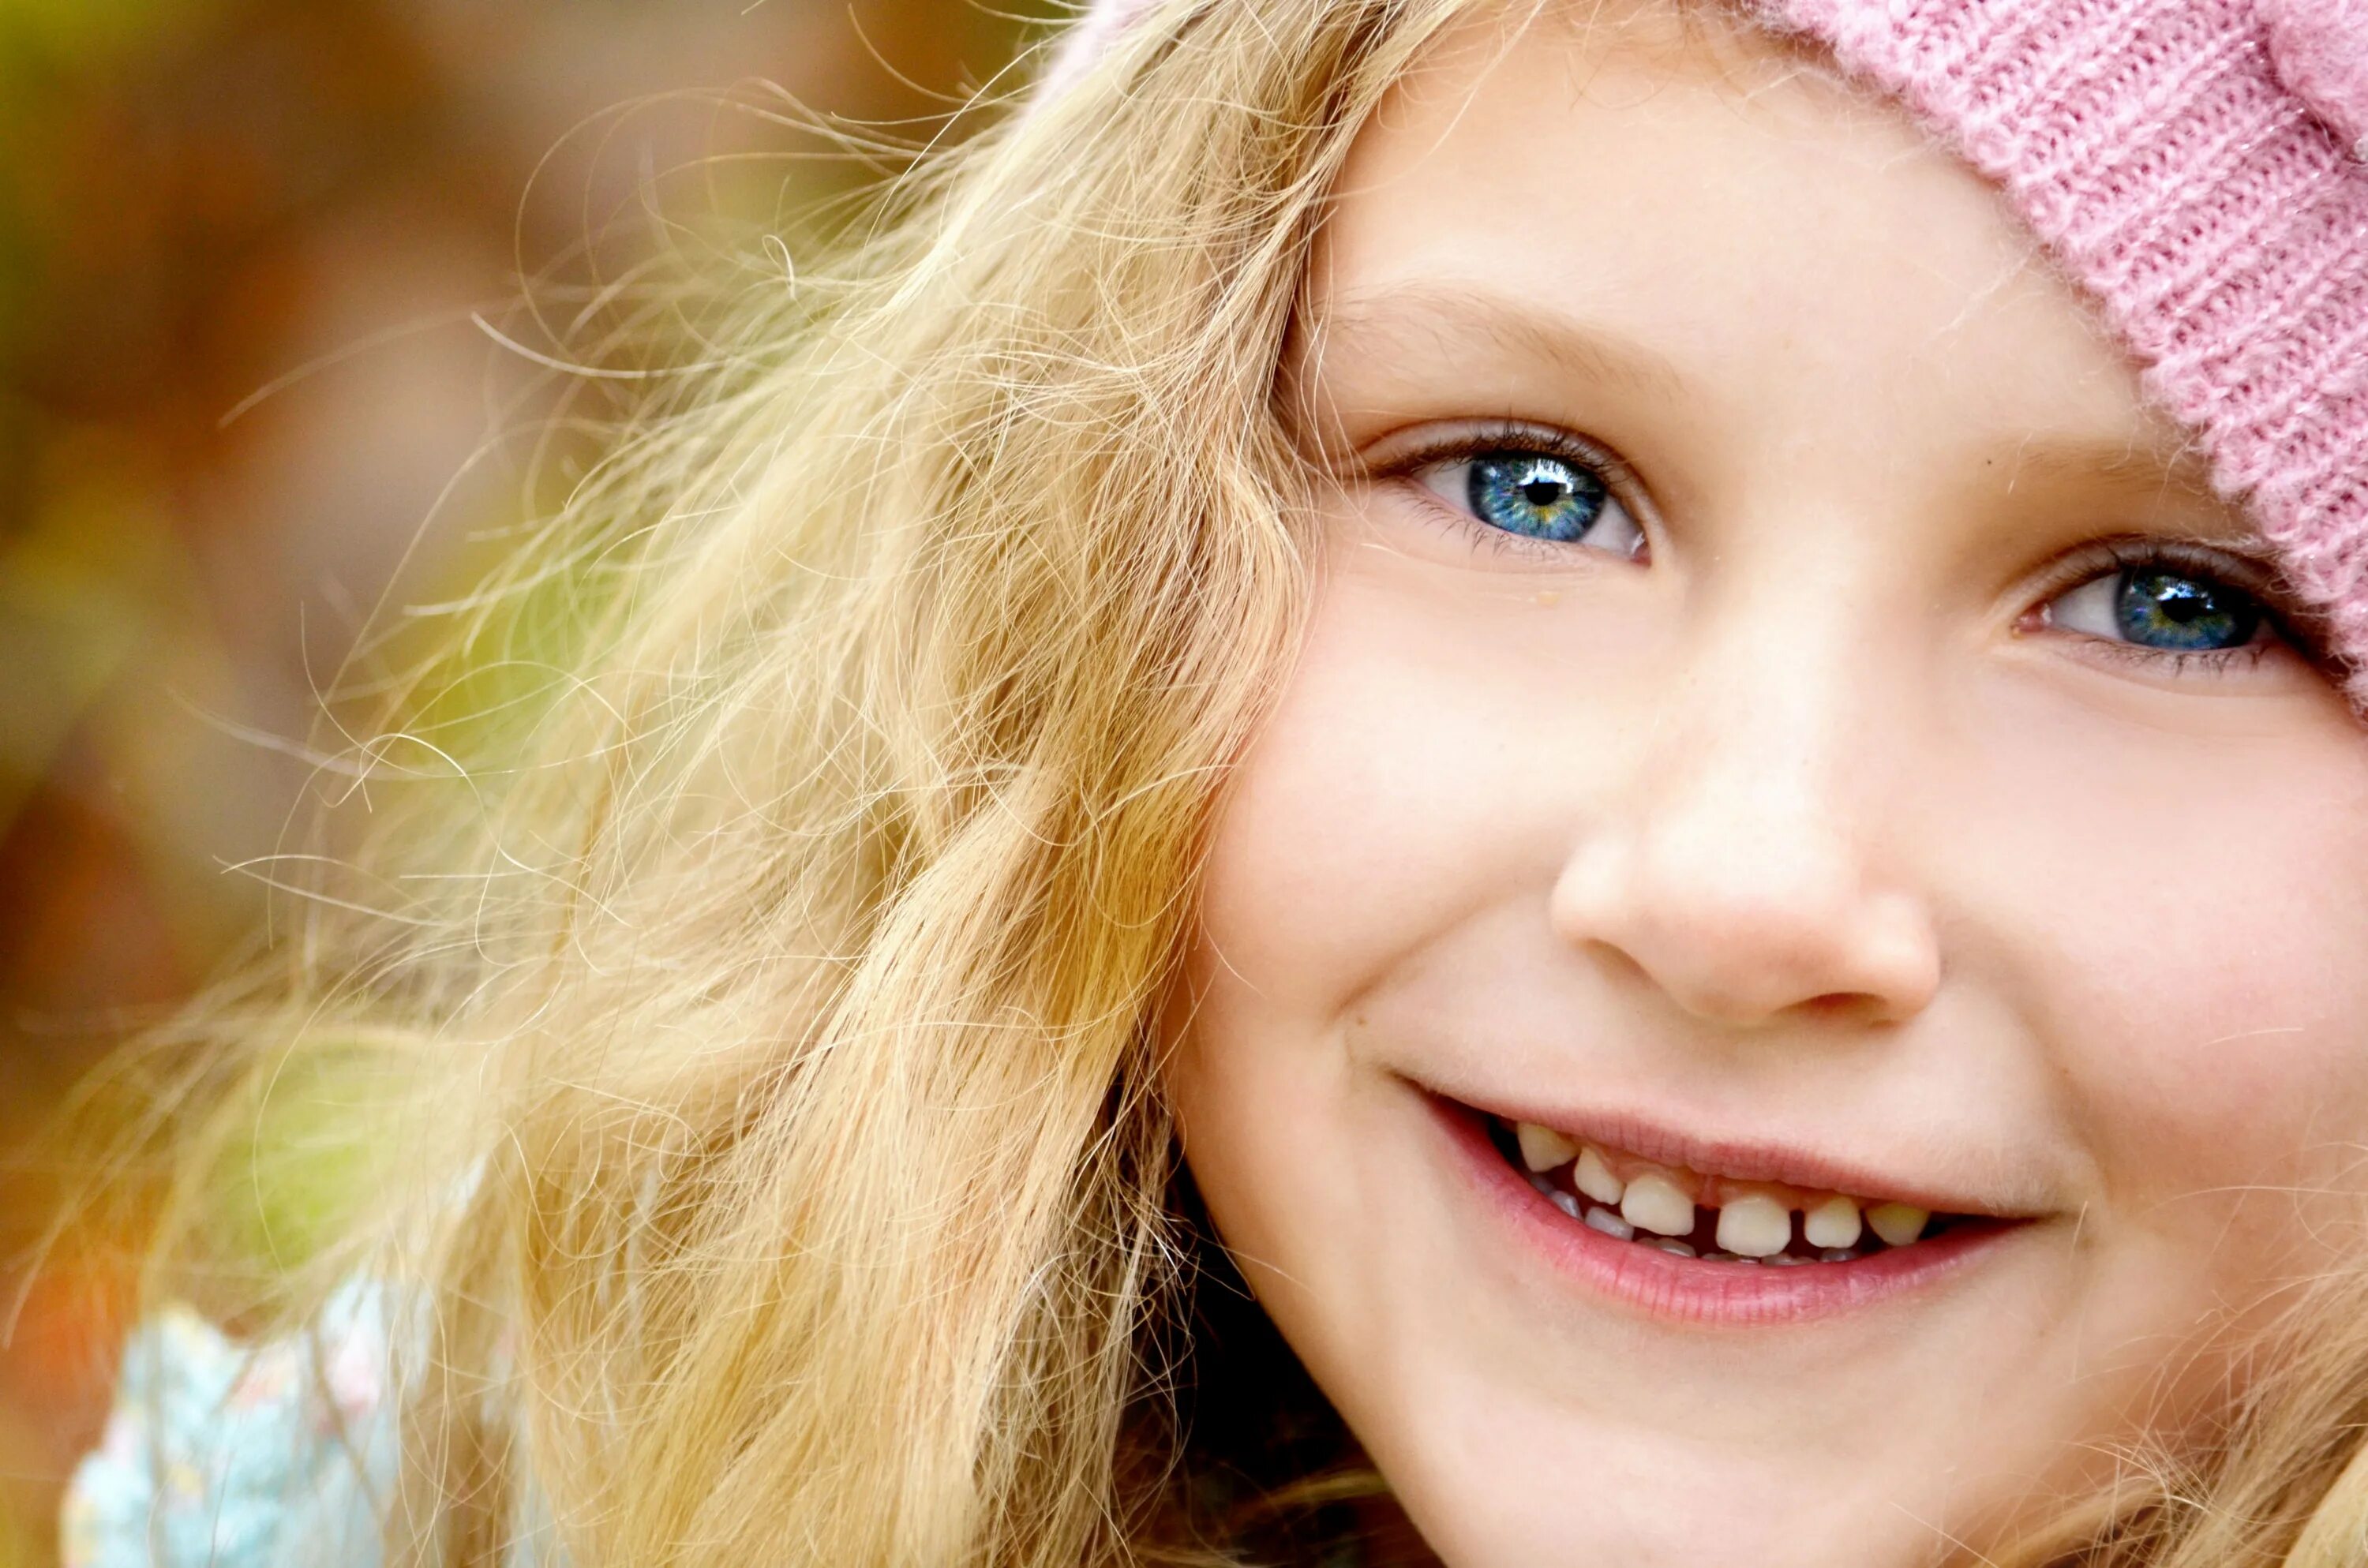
[[1691, 1291]]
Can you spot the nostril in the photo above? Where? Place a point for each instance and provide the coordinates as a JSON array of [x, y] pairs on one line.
[[1615, 963], [1852, 1009], [1840, 1007]]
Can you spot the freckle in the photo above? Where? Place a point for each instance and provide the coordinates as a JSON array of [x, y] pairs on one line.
[[1550, 596]]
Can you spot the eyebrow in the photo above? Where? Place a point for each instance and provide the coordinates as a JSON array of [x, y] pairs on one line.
[[2054, 457], [2138, 467], [1404, 320]]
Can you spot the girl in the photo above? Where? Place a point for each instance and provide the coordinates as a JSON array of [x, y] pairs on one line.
[[1669, 684]]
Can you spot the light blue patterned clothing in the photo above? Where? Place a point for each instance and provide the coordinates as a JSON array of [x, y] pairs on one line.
[[219, 1455]]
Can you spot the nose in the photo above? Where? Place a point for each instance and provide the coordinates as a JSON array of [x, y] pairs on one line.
[[1741, 865]]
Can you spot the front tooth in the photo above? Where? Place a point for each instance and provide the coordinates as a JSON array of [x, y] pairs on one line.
[[1565, 1202], [1543, 1148], [1897, 1223], [1652, 1202], [1833, 1223], [1754, 1225], [1611, 1224], [1674, 1248], [1594, 1179]]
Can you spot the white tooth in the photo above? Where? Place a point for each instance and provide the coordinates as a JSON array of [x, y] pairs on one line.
[[1833, 1223], [1897, 1223], [1543, 1148], [1784, 1260], [1663, 1244], [1654, 1203], [1838, 1255], [1611, 1224], [1755, 1225], [1565, 1202], [1594, 1179]]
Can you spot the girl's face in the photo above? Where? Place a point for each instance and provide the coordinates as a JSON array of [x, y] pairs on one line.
[[1781, 715]]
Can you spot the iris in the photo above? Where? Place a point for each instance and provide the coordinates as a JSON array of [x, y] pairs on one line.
[[2160, 608], [1535, 495]]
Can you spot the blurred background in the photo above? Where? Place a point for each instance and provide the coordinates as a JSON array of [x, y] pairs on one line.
[[255, 256]]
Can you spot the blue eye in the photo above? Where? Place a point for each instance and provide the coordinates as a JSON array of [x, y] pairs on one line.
[[2163, 608], [1535, 495]]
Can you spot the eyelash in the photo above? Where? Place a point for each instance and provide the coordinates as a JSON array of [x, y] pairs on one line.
[[2283, 620], [2284, 623], [1618, 478]]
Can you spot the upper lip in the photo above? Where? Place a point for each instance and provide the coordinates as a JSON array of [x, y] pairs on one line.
[[1748, 1158]]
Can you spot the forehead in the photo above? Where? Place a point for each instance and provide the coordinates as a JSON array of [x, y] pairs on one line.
[[1689, 211]]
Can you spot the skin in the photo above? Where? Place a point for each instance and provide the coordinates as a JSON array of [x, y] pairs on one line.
[[1807, 826]]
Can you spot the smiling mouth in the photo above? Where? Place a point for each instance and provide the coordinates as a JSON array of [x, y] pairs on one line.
[[1691, 1214]]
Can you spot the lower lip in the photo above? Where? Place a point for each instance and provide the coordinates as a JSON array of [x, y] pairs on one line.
[[1695, 1290]]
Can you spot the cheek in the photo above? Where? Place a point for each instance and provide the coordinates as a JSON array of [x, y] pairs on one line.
[[1419, 766], [1336, 845], [1394, 792], [2186, 930], [2229, 1096]]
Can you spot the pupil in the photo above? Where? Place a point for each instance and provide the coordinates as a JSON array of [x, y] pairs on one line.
[[1541, 492]]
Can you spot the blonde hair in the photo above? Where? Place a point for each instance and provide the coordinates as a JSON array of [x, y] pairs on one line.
[[771, 1036]]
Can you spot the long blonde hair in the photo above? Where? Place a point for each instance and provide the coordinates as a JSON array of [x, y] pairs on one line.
[[767, 1041]]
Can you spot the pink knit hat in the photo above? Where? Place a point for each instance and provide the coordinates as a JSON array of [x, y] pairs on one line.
[[2202, 166]]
